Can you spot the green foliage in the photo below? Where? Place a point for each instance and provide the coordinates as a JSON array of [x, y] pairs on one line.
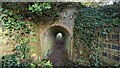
[[33, 39], [39, 8], [15, 18], [19, 30], [42, 63], [46, 64], [90, 24], [20, 58], [35, 11]]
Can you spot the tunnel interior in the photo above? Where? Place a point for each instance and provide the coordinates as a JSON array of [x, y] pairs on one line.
[[50, 38]]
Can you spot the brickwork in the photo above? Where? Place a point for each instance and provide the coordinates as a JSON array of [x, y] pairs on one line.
[[66, 22], [111, 52], [109, 55]]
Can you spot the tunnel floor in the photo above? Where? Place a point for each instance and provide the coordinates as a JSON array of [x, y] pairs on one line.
[[58, 47], [58, 54]]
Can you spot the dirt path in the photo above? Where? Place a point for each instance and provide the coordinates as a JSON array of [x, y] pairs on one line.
[[58, 55]]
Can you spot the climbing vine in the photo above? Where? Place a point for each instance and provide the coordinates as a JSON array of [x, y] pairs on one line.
[[39, 8], [35, 11], [19, 29], [17, 20], [91, 24]]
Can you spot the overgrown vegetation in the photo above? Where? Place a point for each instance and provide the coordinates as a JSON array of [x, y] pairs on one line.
[[19, 29], [93, 22]]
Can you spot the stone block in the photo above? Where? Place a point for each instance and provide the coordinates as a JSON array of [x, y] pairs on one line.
[[115, 41], [109, 46], [116, 29], [104, 54], [105, 63], [116, 58], [109, 55], [109, 36], [115, 47], [104, 45], [115, 37]]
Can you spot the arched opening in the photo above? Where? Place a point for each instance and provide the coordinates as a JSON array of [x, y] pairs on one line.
[[59, 41], [50, 37]]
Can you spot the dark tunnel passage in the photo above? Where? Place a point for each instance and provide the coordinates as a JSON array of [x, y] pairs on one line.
[[57, 44]]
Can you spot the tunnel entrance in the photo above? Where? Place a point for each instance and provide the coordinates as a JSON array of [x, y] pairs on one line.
[[59, 41], [56, 44]]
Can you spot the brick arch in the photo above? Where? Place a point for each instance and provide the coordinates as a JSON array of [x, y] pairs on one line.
[[59, 25]]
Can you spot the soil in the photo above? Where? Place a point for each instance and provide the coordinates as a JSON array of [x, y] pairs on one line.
[[58, 55]]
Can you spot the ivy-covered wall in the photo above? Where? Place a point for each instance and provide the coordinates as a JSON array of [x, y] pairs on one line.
[[111, 47], [91, 24], [64, 25], [86, 33]]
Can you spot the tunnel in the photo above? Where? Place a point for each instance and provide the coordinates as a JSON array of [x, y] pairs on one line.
[[50, 37]]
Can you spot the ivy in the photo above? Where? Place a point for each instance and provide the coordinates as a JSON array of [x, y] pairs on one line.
[[15, 18], [93, 21], [19, 31], [15, 26], [39, 8], [91, 24]]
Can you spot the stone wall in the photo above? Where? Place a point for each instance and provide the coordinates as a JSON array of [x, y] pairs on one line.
[[5, 42], [110, 54], [65, 22]]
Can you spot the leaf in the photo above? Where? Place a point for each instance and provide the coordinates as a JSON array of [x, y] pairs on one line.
[[30, 8], [32, 33], [1, 9], [80, 52], [33, 39]]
